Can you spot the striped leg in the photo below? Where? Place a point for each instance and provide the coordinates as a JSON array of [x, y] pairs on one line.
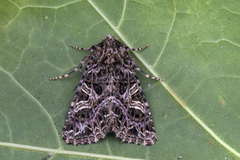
[[138, 49], [85, 59], [139, 69], [78, 47], [146, 75]]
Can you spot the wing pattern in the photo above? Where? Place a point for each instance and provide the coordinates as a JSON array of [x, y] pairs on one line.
[[109, 98]]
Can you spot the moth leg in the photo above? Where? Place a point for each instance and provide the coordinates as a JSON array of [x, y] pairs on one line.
[[78, 47], [136, 67], [138, 49], [146, 75], [85, 59]]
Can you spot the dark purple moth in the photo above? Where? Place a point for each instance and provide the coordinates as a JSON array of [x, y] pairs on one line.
[[109, 98]]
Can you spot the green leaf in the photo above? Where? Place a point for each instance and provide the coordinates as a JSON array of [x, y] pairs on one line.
[[193, 46]]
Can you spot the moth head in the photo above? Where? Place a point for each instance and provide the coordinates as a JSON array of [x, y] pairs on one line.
[[110, 41], [110, 51]]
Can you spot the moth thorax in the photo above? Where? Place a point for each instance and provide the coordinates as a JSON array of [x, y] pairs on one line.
[[109, 58]]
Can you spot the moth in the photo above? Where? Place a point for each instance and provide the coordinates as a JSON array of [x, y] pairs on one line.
[[109, 98]]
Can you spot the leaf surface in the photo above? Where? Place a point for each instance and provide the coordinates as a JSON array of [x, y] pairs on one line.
[[193, 46]]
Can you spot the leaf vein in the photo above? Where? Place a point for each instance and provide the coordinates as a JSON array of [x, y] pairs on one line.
[[51, 120]]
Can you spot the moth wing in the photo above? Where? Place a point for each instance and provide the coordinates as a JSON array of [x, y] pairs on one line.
[[85, 123], [133, 118]]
